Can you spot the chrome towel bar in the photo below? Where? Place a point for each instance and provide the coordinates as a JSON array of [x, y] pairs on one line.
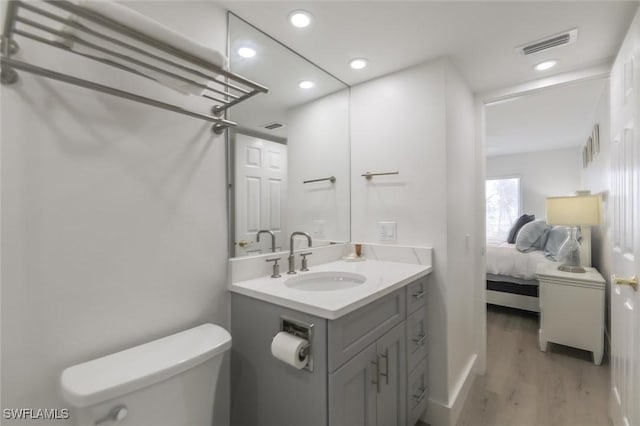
[[369, 175], [222, 87], [330, 178]]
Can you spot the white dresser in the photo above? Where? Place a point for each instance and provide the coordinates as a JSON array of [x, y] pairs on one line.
[[572, 309]]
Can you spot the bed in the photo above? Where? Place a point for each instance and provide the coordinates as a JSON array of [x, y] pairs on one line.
[[511, 274]]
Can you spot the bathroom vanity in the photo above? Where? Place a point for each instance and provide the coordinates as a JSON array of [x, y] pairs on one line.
[[368, 346]]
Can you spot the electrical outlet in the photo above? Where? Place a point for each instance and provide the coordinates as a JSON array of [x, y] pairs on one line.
[[387, 231]]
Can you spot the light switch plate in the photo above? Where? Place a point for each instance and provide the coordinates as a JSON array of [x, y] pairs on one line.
[[319, 228], [387, 231]]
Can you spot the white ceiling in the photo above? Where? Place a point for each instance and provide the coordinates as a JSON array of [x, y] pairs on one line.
[[280, 70], [479, 36], [555, 118]]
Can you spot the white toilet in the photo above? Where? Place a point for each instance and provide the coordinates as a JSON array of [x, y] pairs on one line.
[[170, 381]]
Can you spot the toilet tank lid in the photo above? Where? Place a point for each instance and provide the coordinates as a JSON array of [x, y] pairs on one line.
[[111, 376]]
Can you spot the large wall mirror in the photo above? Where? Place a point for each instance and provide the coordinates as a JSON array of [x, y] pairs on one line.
[[288, 159]]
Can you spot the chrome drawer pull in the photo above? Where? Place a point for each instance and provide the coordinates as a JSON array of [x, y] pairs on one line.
[[419, 295], [423, 393], [377, 381], [386, 362], [420, 340]]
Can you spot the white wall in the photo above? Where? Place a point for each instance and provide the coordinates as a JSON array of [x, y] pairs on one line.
[[597, 178], [114, 223], [542, 174], [461, 212], [419, 121], [318, 147]]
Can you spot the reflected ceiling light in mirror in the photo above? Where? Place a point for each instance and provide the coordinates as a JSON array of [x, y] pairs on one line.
[[306, 84], [358, 63], [300, 18], [543, 66], [246, 52]]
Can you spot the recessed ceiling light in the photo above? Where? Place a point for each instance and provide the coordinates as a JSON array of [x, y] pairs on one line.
[[542, 66], [300, 18], [246, 52], [306, 84], [358, 63]]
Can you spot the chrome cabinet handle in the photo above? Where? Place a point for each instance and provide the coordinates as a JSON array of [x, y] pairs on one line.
[[420, 397], [633, 281], [386, 363], [419, 295], [420, 340], [377, 381]]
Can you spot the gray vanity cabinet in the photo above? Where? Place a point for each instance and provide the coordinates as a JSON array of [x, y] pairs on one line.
[[369, 366], [369, 389]]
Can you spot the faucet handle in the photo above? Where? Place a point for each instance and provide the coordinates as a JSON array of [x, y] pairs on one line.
[[304, 261], [276, 267]]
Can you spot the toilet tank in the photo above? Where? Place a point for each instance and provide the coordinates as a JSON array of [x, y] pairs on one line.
[[169, 381]]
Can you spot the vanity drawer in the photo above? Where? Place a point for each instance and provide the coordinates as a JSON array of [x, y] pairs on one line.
[[416, 337], [416, 294], [352, 333], [417, 392]]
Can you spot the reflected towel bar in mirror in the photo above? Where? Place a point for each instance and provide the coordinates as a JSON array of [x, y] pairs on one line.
[[330, 178], [369, 175]]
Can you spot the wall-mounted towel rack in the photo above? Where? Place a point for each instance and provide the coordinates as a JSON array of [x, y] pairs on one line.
[[369, 175], [330, 178], [137, 52]]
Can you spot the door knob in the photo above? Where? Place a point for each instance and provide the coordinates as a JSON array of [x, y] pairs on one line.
[[244, 243], [633, 281]]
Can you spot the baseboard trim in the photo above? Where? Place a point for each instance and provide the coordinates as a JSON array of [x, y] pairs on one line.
[[440, 414]]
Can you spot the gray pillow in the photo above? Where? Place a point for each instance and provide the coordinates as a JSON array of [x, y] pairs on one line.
[[522, 220], [532, 236]]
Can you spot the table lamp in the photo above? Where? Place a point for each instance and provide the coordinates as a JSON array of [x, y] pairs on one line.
[[573, 211]]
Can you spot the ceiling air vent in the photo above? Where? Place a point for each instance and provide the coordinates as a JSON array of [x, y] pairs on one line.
[[273, 126], [567, 37]]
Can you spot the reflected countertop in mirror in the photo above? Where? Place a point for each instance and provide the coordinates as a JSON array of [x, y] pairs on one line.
[[288, 162]]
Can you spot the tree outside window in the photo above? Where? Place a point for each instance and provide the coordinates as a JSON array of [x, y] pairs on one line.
[[503, 207]]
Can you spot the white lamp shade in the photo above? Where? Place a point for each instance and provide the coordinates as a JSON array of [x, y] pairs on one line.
[[577, 210]]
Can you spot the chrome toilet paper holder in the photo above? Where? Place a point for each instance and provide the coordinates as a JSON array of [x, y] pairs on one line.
[[302, 330]]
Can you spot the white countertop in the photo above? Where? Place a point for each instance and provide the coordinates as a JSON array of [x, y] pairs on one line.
[[382, 278]]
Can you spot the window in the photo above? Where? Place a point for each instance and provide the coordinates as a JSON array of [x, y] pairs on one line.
[[503, 206]]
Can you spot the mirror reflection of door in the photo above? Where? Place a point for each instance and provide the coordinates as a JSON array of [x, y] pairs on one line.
[[260, 193], [306, 127]]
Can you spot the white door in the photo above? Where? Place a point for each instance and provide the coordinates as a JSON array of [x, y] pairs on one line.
[[625, 198], [261, 187]]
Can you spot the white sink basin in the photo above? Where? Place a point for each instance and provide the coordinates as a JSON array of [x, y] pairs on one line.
[[325, 281]]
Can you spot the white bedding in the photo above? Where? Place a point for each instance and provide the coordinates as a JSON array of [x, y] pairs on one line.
[[505, 259]]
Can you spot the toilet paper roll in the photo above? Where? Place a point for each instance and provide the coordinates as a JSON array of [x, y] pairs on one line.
[[289, 349]]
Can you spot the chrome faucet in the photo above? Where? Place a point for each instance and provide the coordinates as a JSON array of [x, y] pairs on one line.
[[291, 257], [273, 238]]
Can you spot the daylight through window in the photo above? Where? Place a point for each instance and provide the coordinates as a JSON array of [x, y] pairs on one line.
[[503, 206]]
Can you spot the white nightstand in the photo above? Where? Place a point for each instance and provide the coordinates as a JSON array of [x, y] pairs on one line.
[[571, 309]]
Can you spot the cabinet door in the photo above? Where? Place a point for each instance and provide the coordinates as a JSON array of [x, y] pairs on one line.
[[392, 364], [352, 391]]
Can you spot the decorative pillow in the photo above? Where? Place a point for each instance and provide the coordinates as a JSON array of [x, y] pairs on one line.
[[556, 237], [532, 236], [522, 220]]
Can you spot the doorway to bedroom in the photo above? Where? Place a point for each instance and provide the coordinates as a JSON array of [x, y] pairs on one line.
[[536, 143]]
